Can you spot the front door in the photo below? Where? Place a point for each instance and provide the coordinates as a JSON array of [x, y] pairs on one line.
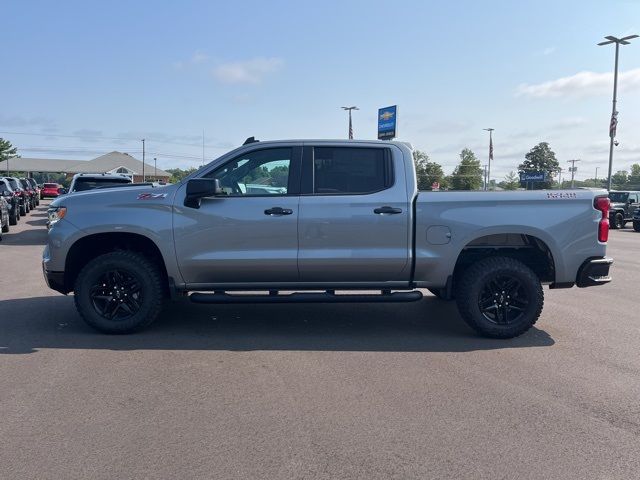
[[249, 235], [354, 215]]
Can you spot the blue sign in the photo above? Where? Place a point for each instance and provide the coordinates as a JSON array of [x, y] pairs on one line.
[[387, 122], [533, 177]]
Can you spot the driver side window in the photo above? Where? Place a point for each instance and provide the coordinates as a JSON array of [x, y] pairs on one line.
[[261, 172]]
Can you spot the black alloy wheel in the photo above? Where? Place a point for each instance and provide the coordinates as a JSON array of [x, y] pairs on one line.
[[116, 295], [503, 300]]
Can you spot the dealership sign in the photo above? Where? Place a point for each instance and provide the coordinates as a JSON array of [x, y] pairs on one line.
[[533, 177], [387, 123]]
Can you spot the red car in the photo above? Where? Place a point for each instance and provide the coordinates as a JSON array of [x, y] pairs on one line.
[[50, 190]]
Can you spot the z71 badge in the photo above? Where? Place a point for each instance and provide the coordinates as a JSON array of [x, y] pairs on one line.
[[151, 196]]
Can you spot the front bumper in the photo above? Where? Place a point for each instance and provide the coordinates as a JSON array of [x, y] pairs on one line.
[[594, 271]]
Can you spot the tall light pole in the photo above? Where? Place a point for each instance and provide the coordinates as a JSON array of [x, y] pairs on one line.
[[155, 169], [490, 130], [597, 176], [143, 159], [350, 124], [573, 169], [614, 113]]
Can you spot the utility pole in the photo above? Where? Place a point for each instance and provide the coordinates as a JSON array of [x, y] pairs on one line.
[[203, 147], [490, 130], [143, 159], [155, 169], [573, 169], [614, 113], [560, 178], [350, 124], [597, 176]]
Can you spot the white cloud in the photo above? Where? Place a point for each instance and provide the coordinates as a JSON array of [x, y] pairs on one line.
[[250, 71], [547, 51], [196, 59], [581, 84]]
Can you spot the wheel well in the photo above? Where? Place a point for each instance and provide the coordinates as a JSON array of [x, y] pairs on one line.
[[528, 249], [92, 246]]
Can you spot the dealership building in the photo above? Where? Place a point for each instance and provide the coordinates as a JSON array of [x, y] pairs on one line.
[[114, 162]]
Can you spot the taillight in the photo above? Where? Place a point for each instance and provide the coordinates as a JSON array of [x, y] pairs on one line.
[[602, 205]]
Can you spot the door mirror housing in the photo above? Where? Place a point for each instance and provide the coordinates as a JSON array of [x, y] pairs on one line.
[[62, 191], [6, 193], [199, 188]]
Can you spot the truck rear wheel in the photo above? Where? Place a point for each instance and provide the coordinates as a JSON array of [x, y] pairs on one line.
[[636, 226], [119, 292], [500, 297]]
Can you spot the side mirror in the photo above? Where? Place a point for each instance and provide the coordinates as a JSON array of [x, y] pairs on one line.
[[199, 188], [6, 193], [62, 191]]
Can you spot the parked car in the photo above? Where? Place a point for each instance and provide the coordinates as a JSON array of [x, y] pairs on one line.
[[21, 193], [82, 182], [4, 216], [13, 201], [636, 220], [31, 193], [623, 204], [50, 190], [350, 218], [36, 188]]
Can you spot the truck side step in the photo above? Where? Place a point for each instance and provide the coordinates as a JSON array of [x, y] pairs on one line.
[[303, 297]]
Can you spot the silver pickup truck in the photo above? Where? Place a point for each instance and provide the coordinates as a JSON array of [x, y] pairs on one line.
[[321, 217]]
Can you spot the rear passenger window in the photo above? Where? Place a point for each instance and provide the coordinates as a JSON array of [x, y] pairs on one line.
[[351, 170]]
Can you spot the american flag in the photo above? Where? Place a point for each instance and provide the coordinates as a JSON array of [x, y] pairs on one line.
[[613, 125], [490, 148], [350, 127]]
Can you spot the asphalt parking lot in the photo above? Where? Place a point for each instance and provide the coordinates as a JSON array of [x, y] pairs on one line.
[[322, 391]]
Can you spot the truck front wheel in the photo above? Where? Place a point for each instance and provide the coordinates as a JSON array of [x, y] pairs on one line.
[[119, 292], [500, 297]]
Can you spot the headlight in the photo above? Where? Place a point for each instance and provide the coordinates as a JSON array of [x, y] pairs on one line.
[[56, 214]]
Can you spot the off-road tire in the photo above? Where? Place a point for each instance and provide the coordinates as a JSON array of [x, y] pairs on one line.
[[5, 228], [618, 221], [23, 210], [636, 226], [475, 279], [13, 219], [145, 272]]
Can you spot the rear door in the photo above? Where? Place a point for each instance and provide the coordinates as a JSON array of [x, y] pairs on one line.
[[632, 204], [354, 215]]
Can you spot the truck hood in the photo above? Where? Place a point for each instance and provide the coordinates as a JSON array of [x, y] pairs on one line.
[[108, 196]]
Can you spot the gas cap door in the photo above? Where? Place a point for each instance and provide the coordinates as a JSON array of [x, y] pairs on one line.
[[438, 234]]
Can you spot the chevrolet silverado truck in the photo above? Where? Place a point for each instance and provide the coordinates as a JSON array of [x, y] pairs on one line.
[[335, 221]]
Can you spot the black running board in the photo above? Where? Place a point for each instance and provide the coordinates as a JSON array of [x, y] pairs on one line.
[[324, 297]]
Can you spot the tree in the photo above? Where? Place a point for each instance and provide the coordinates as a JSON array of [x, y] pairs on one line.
[[468, 174], [619, 179], [511, 181], [6, 149], [427, 171], [540, 159], [634, 176], [177, 174]]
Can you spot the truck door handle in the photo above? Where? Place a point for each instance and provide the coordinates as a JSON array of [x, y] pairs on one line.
[[387, 210], [277, 211]]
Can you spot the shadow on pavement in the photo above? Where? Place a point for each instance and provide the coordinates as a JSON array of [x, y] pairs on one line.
[[430, 325]]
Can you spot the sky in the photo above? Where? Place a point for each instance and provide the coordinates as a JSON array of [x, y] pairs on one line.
[[85, 78]]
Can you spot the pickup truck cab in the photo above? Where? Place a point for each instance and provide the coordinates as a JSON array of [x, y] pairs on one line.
[[332, 215]]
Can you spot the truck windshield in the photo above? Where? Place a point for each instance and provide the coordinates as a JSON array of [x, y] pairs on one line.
[[618, 197]]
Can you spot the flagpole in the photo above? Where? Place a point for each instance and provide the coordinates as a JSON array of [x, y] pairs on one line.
[[614, 114]]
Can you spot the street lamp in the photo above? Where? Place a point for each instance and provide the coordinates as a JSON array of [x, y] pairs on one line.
[[490, 130], [350, 124], [614, 113], [155, 169]]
